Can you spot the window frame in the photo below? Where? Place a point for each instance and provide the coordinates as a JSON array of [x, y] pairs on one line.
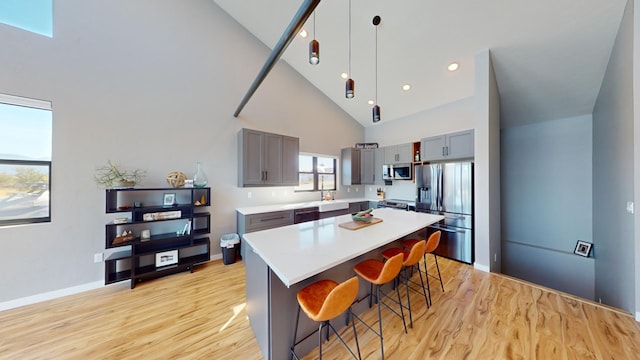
[[31, 220], [316, 174], [40, 105]]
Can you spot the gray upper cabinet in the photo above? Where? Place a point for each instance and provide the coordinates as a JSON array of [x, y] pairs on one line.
[[458, 145], [267, 159], [379, 162], [362, 166], [367, 166], [290, 156], [398, 154], [350, 166]]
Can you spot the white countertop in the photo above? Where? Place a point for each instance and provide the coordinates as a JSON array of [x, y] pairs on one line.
[[297, 252], [249, 210]]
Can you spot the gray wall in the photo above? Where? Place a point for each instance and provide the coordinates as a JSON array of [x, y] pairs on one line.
[[613, 175], [149, 84], [546, 203], [636, 149]]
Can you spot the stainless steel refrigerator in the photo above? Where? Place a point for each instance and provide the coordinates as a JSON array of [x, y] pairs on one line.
[[447, 189]]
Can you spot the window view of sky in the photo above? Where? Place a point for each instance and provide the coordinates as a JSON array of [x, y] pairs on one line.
[[32, 15], [26, 133]]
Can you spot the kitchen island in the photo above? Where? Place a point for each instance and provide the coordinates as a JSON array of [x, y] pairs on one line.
[[281, 261]]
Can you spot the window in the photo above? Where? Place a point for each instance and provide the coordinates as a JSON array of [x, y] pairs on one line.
[[31, 15], [316, 173], [25, 160]]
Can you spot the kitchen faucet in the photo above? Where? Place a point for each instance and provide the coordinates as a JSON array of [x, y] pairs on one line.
[[329, 192]]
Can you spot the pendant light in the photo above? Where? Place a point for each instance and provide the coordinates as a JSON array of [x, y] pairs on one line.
[[376, 107], [350, 86], [314, 46]]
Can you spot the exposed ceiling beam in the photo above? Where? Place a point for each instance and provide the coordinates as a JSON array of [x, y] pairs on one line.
[[306, 9]]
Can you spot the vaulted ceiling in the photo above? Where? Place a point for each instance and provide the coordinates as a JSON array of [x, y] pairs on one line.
[[549, 56]]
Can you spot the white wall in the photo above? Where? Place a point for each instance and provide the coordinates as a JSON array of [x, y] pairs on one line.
[[149, 84], [448, 118], [451, 117], [487, 165]]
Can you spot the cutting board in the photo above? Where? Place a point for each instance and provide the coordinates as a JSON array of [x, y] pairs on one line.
[[355, 225]]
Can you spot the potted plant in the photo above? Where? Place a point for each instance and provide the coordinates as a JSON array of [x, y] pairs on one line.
[[110, 176]]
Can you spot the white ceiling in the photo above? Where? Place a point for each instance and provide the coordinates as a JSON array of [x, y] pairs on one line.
[[549, 56]]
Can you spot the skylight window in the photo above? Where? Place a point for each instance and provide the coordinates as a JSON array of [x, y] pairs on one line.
[[32, 15]]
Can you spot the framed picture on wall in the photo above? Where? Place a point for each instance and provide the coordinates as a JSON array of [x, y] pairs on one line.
[[583, 248]]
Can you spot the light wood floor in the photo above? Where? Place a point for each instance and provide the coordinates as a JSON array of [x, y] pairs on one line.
[[201, 316]]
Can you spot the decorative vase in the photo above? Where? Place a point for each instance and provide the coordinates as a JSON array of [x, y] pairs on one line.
[[200, 178]]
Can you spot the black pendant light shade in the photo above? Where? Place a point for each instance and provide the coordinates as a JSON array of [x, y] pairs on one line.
[[376, 113], [314, 46], [349, 89], [314, 52]]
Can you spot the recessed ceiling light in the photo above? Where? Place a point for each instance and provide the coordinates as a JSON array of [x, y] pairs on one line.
[[371, 102], [453, 66], [344, 75], [303, 33], [406, 87]]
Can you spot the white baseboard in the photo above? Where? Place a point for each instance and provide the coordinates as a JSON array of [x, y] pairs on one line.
[[215, 256], [11, 304], [481, 267], [638, 316]]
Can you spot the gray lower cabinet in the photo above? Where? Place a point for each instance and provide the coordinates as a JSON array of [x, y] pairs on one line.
[[263, 221], [458, 145], [267, 159], [334, 213]]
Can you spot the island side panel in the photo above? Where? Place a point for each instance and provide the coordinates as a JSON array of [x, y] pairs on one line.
[[257, 297], [283, 306]]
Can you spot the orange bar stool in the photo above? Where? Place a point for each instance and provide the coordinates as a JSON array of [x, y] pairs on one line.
[[432, 244], [378, 273], [322, 301], [410, 258]]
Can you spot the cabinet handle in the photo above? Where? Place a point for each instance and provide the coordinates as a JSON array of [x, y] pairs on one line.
[[271, 219], [443, 151], [447, 150]]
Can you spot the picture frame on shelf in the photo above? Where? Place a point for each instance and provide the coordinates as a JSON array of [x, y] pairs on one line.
[[583, 248], [169, 199], [166, 258]]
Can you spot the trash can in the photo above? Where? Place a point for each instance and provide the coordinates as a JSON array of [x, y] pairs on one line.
[[229, 244]]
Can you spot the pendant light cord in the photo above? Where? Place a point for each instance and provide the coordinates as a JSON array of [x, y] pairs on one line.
[[350, 77], [314, 25], [376, 61]]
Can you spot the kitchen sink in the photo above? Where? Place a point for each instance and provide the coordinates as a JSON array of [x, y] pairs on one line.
[[331, 205], [324, 205]]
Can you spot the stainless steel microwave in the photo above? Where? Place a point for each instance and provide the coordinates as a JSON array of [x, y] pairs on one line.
[[396, 172]]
